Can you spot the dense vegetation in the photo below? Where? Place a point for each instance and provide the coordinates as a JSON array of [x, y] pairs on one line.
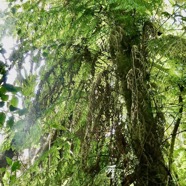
[[103, 91]]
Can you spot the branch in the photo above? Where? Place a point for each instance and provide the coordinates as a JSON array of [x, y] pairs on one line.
[[171, 136], [174, 133]]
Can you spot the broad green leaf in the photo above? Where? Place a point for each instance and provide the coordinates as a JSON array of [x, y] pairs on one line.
[[15, 166], [14, 101], [11, 88], [45, 54], [9, 161], [12, 108], [2, 91], [4, 97]]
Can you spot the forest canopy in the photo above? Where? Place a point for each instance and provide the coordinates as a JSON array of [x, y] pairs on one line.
[[99, 94]]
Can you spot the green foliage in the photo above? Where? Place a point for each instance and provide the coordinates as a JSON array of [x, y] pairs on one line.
[[109, 94], [4, 97], [11, 88], [2, 118]]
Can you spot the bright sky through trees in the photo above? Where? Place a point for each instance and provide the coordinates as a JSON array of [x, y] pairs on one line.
[[3, 5]]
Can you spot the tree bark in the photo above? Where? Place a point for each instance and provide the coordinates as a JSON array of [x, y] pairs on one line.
[[132, 70]]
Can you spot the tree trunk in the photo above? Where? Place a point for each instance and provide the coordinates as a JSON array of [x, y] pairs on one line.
[[143, 127]]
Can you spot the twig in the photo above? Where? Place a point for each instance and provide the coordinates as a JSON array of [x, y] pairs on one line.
[[174, 133]]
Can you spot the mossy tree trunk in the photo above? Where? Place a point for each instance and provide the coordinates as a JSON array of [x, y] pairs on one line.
[[131, 59]]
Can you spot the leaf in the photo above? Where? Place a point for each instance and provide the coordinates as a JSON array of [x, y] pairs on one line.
[[16, 165], [183, 18], [161, 68], [12, 108], [2, 170], [14, 101], [13, 10], [2, 91], [11, 88], [166, 14], [19, 32], [26, 6], [2, 70], [2, 103], [2, 118], [9, 161], [4, 97], [45, 54]]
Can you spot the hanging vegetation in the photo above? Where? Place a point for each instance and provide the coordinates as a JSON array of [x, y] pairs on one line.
[[103, 83]]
